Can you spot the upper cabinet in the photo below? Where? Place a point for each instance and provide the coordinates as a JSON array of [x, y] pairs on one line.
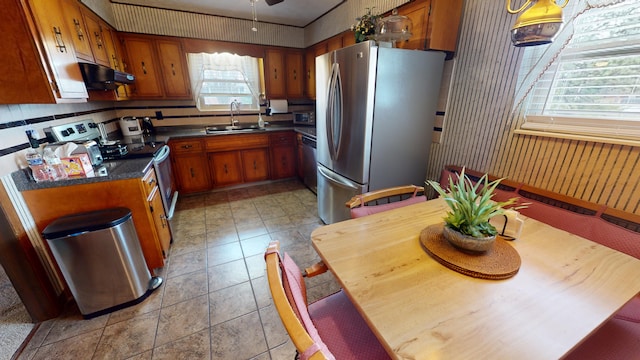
[[159, 65], [76, 25], [435, 24], [284, 73], [41, 66], [96, 37]]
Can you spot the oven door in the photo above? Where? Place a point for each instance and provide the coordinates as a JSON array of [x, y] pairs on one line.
[[166, 183]]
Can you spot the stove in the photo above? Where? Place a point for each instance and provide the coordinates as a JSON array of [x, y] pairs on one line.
[[131, 151]]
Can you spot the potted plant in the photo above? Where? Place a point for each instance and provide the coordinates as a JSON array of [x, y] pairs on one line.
[[467, 223]]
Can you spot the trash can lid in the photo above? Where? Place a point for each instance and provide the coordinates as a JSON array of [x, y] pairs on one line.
[[87, 221]]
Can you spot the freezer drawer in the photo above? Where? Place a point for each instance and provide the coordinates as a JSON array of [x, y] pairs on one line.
[[333, 192]]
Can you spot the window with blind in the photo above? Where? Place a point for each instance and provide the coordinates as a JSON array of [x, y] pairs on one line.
[[593, 88], [221, 78]]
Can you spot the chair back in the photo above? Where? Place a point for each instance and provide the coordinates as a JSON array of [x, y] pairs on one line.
[[382, 200], [290, 299]]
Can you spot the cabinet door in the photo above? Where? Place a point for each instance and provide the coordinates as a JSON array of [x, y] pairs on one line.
[[174, 69], [192, 172], [141, 62], [94, 29], [255, 165], [335, 43], [160, 221], [310, 73], [116, 62], [226, 168], [295, 74], [78, 29], [275, 74], [300, 159], [283, 162], [58, 44]]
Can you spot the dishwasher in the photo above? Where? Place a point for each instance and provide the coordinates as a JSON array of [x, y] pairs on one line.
[[310, 176]]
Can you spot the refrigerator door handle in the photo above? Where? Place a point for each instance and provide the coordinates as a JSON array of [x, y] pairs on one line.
[[339, 180], [334, 112]]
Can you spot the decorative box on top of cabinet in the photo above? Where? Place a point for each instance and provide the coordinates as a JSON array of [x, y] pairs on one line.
[[40, 57]]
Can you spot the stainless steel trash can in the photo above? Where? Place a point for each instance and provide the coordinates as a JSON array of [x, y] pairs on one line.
[[101, 259]]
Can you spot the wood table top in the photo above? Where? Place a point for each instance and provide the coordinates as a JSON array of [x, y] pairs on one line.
[[566, 288]]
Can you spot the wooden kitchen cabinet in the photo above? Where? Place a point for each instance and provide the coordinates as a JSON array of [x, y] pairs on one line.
[[283, 154], [78, 28], [40, 62], [189, 162], [294, 61], [159, 65], [173, 69], [46, 205], [300, 156], [226, 168], [435, 24], [160, 220], [96, 37], [284, 74], [255, 165], [310, 66]]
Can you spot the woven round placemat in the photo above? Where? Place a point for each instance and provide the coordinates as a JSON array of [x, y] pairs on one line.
[[500, 262]]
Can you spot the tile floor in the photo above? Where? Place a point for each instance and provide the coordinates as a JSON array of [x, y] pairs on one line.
[[215, 301]]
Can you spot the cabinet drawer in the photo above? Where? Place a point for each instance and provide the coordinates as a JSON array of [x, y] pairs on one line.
[[186, 146], [236, 142], [149, 181], [282, 138]]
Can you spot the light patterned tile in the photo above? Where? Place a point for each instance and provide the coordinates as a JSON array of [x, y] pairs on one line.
[[240, 338], [185, 287], [273, 329], [251, 229], [224, 253], [255, 265], [77, 347], [181, 319], [186, 244], [255, 245], [231, 302], [227, 274], [261, 291], [128, 338], [73, 325], [187, 263], [193, 347], [283, 352], [151, 303]]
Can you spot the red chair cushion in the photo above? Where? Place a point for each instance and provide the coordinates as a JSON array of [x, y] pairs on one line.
[[615, 340], [296, 293], [630, 311], [373, 209], [343, 329]]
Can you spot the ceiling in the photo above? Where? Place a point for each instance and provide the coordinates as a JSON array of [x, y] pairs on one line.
[[288, 12]]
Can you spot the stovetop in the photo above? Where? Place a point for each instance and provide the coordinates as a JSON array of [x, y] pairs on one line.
[[130, 151]]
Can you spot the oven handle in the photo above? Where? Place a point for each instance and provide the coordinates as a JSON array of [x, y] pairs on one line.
[[162, 154]]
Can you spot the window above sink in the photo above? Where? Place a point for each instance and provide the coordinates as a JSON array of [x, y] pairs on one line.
[[220, 78]]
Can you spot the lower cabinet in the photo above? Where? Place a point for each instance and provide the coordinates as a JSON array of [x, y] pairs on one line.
[[203, 163], [140, 195], [255, 165], [283, 154], [160, 220], [226, 168]]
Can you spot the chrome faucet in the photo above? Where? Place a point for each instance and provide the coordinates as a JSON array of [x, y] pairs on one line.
[[234, 107]]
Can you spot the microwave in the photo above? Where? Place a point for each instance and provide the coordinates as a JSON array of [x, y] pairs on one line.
[[304, 118]]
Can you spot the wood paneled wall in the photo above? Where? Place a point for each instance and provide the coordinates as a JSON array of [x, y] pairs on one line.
[[479, 124]]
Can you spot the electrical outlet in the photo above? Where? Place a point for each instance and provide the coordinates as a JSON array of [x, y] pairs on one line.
[[33, 137], [159, 115]]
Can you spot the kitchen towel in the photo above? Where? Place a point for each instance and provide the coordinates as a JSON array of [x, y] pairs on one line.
[[279, 106]]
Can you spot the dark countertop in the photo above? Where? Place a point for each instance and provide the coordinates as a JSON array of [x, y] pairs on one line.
[[116, 170], [136, 168]]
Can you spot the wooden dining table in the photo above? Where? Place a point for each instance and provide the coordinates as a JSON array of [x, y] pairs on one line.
[[566, 288]]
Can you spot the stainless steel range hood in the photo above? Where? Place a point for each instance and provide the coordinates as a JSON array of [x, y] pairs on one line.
[[98, 77]]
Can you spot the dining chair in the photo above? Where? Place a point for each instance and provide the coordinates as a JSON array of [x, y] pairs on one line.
[[382, 200], [330, 328]]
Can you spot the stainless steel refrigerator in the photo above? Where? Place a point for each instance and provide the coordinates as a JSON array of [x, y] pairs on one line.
[[375, 110]]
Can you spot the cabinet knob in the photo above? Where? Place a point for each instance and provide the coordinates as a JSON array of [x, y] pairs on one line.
[[188, 146], [76, 24], [275, 74]]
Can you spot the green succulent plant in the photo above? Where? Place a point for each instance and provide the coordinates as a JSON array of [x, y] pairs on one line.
[[471, 205]]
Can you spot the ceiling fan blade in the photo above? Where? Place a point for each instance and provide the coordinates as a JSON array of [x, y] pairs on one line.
[[273, 2]]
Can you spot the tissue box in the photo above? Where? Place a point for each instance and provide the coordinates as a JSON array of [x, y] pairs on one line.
[[78, 165]]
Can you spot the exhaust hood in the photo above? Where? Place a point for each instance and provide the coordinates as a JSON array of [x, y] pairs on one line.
[[99, 77]]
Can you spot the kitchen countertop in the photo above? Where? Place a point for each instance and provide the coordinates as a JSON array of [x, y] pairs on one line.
[[116, 170], [137, 167]]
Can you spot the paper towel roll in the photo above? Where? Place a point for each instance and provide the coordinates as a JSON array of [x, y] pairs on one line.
[[279, 106]]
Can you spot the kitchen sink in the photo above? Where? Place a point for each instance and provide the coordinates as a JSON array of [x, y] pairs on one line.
[[232, 129]]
